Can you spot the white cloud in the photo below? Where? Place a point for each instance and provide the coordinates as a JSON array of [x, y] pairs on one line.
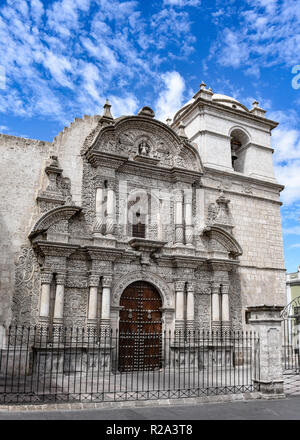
[[182, 3], [3, 128], [266, 33], [171, 97], [63, 58], [286, 143], [234, 52], [123, 105]]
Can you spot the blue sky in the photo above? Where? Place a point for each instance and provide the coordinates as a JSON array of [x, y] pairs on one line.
[[61, 59]]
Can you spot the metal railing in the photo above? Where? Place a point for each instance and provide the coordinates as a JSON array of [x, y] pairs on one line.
[[40, 365]]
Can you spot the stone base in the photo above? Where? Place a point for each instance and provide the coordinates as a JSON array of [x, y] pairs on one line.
[[71, 360], [270, 389], [195, 356], [15, 361], [105, 241]]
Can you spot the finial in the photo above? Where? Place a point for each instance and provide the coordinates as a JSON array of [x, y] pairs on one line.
[[202, 85], [255, 103], [168, 121], [107, 112]]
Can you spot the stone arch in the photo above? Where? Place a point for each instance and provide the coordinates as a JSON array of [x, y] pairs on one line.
[[239, 140], [226, 240], [51, 217], [241, 133], [156, 281]]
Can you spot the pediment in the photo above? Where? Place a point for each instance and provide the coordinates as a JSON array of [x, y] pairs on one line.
[[144, 137], [221, 242], [54, 218]]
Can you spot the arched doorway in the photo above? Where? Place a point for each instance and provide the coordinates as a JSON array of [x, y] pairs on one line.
[[140, 328]]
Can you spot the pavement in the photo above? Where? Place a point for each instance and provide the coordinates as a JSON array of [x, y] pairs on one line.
[[277, 409]]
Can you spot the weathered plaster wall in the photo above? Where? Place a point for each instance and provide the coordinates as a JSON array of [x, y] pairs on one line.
[[68, 145]]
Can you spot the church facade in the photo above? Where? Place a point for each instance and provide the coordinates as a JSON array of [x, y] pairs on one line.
[[133, 224]]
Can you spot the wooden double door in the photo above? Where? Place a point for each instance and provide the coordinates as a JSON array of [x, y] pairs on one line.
[[140, 328]]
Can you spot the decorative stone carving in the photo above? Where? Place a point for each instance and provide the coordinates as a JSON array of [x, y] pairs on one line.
[[202, 312], [150, 277], [144, 148], [52, 217], [179, 285], [46, 278], [121, 140], [27, 284], [61, 278], [106, 281], [75, 308], [94, 280]]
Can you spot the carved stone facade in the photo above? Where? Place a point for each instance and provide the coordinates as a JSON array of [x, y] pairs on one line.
[[78, 246]]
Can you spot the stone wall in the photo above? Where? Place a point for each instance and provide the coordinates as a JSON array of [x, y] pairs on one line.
[[21, 169], [255, 210]]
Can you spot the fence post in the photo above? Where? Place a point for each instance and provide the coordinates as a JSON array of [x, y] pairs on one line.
[[2, 337], [266, 321]]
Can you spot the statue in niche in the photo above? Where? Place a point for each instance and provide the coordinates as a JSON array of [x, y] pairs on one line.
[[144, 148]]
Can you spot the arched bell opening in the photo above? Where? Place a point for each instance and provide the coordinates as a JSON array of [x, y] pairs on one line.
[[239, 140]]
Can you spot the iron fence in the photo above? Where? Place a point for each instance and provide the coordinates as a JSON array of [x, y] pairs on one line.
[[41, 365]]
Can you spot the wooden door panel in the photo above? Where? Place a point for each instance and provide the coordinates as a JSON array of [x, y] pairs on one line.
[[141, 315]]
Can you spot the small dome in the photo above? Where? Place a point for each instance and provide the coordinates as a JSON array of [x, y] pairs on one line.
[[218, 99], [228, 101]]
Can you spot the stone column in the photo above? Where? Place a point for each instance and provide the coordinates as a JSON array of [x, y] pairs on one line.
[[179, 311], [99, 205], [110, 209], [225, 306], [93, 297], [105, 310], [215, 306], [189, 228], [59, 297], [190, 306], [266, 321], [178, 218], [46, 279]]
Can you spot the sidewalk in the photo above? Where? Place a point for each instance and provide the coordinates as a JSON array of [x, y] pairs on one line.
[[281, 409]]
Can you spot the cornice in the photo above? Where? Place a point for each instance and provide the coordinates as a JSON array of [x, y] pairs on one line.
[[47, 248], [108, 254], [200, 102], [104, 159], [155, 171], [242, 178]]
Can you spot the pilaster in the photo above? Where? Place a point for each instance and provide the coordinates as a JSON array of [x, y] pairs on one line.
[[266, 320]]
